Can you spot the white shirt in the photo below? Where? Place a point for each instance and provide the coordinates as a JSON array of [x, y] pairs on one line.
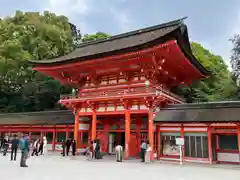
[[94, 146], [119, 148], [149, 149]]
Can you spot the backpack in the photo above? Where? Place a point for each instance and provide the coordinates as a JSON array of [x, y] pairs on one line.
[[22, 144]]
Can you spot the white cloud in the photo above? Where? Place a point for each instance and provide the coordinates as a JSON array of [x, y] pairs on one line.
[[122, 18], [66, 7], [75, 10]]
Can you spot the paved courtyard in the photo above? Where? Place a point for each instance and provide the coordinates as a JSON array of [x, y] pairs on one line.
[[54, 167]]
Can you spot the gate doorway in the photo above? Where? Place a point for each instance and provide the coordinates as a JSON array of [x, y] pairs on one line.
[[115, 138]]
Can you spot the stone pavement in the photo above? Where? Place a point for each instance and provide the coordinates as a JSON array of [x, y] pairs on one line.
[[55, 167]]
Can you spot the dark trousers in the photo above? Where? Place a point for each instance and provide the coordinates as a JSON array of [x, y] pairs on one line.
[[143, 151], [5, 148], [73, 151], [63, 151], [13, 153], [119, 156], [97, 154], [35, 152], [68, 148], [40, 150], [24, 157]]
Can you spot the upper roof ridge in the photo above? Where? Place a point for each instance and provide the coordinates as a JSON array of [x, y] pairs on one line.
[[176, 22]]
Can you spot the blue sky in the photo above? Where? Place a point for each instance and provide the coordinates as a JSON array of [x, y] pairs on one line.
[[210, 22]]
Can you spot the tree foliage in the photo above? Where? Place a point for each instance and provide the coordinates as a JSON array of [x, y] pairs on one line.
[[28, 36], [219, 86], [235, 57], [93, 37]]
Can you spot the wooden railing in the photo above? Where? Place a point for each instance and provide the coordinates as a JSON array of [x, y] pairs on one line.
[[122, 92]]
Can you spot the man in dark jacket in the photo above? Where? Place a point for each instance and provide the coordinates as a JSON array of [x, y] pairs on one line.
[[74, 147], [68, 145], [63, 148], [15, 143]]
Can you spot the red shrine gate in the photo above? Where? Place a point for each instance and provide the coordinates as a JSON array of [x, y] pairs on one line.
[[121, 81]]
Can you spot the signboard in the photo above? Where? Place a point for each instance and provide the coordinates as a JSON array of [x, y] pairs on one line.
[[180, 141]]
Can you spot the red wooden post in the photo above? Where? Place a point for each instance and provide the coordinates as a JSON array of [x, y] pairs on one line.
[[209, 145], [94, 125], [76, 128], [127, 132], [151, 130]]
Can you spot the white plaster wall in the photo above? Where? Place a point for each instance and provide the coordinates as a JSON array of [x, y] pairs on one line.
[[228, 157]]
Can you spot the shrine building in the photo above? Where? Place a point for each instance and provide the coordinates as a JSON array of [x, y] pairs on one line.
[[123, 94]]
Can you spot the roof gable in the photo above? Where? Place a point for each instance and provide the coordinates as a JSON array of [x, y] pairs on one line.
[[129, 41]]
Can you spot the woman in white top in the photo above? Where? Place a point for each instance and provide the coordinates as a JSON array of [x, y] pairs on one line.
[[44, 145], [148, 154]]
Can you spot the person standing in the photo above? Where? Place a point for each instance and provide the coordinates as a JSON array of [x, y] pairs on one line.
[[90, 151], [24, 146], [40, 150], [63, 148], [74, 147], [68, 145], [15, 144], [5, 145], [45, 150], [119, 153], [97, 150], [35, 147], [148, 153], [1, 143], [143, 150]]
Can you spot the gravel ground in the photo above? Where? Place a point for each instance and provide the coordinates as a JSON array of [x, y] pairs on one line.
[[55, 167]]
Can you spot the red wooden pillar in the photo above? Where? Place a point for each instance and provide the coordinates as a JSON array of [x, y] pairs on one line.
[[94, 125], [76, 128], [239, 140], [127, 132], [209, 145], [158, 142], [150, 129]]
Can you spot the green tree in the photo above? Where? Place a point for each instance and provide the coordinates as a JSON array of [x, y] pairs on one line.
[[235, 56], [27, 36], [94, 37], [219, 86]]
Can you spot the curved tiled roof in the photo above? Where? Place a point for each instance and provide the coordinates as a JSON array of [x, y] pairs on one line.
[[200, 112], [128, 42], [38, 118]]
